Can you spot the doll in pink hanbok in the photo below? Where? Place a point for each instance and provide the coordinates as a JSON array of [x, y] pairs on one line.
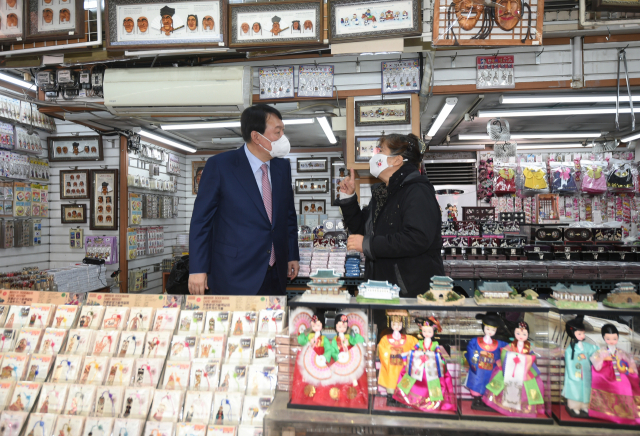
[[615, 389]]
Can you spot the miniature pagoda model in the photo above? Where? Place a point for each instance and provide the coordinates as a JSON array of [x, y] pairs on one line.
[[377, 291], [624, 296], [501, 294], [441, 293], [325, 286], [573, 297]]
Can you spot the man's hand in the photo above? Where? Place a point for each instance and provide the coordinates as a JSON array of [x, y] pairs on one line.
[[353, 243], [198, 283], [348, 184], [292, 269]]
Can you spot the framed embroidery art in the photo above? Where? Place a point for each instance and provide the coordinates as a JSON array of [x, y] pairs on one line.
[[104, 185], [75, 148], [12, 21], [50, 20], [383, 112], [287, 23], [74, 184], [357, 20], [147, 24]]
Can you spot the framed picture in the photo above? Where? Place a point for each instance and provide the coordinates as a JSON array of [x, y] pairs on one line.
[[357, 20], [312, 165], [383, 112], [54, 20], [145, 24], [74, 148], [313, 206], [104, 200], [312, 186], [287, 23], [338, 172], [366, 147], [12, 21], [616, 5], [75, 184], [196, 173], [73, 213]]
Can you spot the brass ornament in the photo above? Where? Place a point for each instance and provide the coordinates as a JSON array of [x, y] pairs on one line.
[[309, 391], [352, 393], [334, 393]]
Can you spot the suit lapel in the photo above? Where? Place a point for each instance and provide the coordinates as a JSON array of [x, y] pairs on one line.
[[248, 181]]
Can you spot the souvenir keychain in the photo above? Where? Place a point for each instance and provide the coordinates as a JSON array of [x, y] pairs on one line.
[[161, 401], [98, 427]]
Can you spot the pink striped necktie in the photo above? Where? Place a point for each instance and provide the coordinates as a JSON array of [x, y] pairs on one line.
[[266, 197]]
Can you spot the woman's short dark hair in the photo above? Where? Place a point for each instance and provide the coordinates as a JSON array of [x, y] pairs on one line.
[[407, 146], [255, 118]]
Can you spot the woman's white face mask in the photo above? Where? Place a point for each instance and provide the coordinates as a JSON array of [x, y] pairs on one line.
[[378, 163]]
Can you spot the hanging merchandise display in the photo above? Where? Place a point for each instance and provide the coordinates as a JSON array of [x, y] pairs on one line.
[[102, 247], [563, 177], [276, 82], [400, 76], [495, 72], [315, 81], [7, 139]]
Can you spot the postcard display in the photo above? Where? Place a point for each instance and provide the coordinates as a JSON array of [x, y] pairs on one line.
[[138, 363]]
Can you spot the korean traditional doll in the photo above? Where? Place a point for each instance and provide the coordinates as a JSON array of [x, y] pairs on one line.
[[390, 351], [577, 369], [482, 355], [615, 388], [425, 383], [515, 388]]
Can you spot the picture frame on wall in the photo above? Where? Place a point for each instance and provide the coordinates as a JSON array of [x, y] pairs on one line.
[[104, 200], [149, 24], [75, 184], [269, 24], [73, 213], [313, 206], [312, 165], [50, 20], [366, 147], [338, 172], [359, 20], [383, 112], [75, 148], [12, 21], [617, 6], [196, 173], [312, 186]]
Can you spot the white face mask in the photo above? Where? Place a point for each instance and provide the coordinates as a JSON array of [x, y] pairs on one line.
[[378, 163], [279, 148]]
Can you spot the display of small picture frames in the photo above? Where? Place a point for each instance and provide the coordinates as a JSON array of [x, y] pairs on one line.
[[313, 207], [104, 200], [12, 21], [366, 147], [54, 20], [73, 213], [312, 186], [312, 165], [75, 184], [75, 148]]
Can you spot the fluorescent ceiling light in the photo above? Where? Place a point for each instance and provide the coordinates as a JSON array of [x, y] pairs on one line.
[[543, 146], [167, 141], [13, 79], [632, 137], [546, 99], [482, 137], [327, 129], [550, 112], [298, 121], [455, 147], [225, 125], [442, 116]]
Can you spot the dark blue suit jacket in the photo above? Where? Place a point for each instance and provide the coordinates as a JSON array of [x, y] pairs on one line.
[[230, 236]]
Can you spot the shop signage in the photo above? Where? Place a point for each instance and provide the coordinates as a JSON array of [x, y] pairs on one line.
[[234, 303]]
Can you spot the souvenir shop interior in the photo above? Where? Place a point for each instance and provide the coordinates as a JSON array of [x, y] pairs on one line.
[[525, 112]]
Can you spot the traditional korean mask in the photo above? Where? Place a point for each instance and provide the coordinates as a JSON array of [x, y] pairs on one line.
[[508, 13], [468, 13]]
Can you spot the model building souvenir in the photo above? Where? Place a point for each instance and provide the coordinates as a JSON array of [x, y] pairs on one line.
[[501, 294], [94, 425], [91, 317], [391, 350], [270, 321], [52, 341], [166, 406], [227, 408], [515, 388], [24, 396], [109, 401], [165, 320], [157, 344], [132, 344], [262, 380], [17, 317], [183, 348], [176, 375], [217, 322], [441, 293], [14, 366], [66, 369], [105, 343], [300, 320], [28, 340], [128, 427], [573, 297], [204, 375], [211, 346], [39, 366], [41, 422], [325, 286], [136, 402], [147, 372], [115, 318], [624, 296], [264, 349], [94, 370], [244, 323], [197, 407], [140, 319], [79, 341], [120, 370], [80, 399], [374, 291], [191, 322], [52, 398], [330, 373]]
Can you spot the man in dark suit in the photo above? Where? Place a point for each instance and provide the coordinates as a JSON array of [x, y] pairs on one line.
[[244, 235]]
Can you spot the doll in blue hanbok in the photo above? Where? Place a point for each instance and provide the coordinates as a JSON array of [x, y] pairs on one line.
[[577, 369]]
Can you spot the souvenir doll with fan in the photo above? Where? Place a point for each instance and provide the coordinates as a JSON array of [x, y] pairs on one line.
[[425, 383]]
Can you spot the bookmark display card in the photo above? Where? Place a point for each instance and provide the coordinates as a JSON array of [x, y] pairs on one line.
[[166, 320], [217, 322], [140, 319], [52, 341], [39, 367], [91, 317], [233, 378], [131, 344], [66, 368], [65, 316], [115, 318], [205, 375], [176, 375], [119, 372], [244, 323], [147, 371], [80, 341], [80, 399], [94, 370]]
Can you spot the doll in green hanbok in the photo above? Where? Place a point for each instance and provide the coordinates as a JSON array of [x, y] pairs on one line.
[[577, 369]]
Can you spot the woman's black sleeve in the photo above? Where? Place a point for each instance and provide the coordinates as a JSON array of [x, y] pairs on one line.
[[354, 217]]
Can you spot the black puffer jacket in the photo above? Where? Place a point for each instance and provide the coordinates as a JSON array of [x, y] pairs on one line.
[[403, 245]]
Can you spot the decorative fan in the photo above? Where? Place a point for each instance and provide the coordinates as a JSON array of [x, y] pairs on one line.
[[300, 320], [498, 130]]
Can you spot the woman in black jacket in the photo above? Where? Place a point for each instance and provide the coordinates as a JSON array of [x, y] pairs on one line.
[[399, 231]]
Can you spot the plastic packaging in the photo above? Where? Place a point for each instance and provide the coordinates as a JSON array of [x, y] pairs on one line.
[[563, 177], [594, 176], [535, 178], [620, 178], [504, 181]]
